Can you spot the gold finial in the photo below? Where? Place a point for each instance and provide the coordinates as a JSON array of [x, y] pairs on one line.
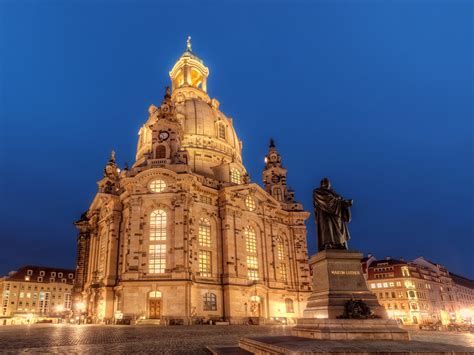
[[188, 44], [112, 156]]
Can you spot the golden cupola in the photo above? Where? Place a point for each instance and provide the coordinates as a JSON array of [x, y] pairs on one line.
[[189, 74]]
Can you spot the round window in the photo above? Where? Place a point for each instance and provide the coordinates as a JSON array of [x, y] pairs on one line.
[[250, 203], [157, 185]]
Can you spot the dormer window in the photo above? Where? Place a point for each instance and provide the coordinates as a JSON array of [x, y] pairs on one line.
[[29, 272], [41, 273], [60, 274], [222, 131], [234, 176]]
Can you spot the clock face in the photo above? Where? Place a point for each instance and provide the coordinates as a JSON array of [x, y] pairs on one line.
[[164, 135], [273, 157], [275, 179]]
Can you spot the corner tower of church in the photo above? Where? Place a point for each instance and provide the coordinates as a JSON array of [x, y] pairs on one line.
[[184, 235]]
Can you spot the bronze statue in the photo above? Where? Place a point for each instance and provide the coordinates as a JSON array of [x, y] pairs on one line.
[[332, 213]]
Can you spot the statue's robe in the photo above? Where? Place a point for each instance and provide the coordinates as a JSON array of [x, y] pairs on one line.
[[332, 214]]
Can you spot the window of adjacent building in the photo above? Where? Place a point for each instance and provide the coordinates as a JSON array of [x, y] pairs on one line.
[[209, 302], [41, 273], [250, 240], [29, 272], [278, 194], [158, 225], [252, 267], [53, 274], [71, 276], [51, 279], [250, 203], [222, 131], [205, 263], [373, 286], [289, 305], [157, 185], [283, 275], [205, 233], [60, 274], [405, 271], [40, 279], [157, 258], [234, 176], [27, 278]]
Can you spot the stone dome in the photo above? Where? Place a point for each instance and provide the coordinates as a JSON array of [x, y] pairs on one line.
[[209, 136]]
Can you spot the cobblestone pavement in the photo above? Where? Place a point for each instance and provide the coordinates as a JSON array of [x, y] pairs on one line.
[[83, 339]]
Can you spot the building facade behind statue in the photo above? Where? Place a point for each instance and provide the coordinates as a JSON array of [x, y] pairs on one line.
[[183, 234], [420, 291], [36, 293]]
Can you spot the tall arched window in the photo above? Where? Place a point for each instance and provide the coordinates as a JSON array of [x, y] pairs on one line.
[[289, 305], [235, 176], [250, 240], [157, 246], [160, 152], [280, 250], [251, 248], [205, 233], [209, 302]]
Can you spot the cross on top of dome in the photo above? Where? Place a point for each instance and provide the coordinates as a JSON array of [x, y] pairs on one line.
[[188, 44]]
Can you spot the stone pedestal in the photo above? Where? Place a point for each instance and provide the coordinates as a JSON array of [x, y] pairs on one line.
[[338, 277]]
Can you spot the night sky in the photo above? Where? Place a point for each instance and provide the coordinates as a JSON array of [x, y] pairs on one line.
[[375, 95]]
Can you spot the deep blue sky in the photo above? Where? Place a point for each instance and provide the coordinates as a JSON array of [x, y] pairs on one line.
[[375, 95]]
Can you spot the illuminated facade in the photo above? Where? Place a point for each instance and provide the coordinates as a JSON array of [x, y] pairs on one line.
[[420, 291], [33, 293], [184, 235]]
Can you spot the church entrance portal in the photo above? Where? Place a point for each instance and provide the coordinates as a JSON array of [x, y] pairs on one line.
[[154, 305]]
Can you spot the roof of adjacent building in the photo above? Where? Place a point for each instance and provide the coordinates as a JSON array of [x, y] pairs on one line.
[[461, 280], [35, 271], [376, 263]]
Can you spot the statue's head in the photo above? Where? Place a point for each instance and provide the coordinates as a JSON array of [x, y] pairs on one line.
[[325, 183]]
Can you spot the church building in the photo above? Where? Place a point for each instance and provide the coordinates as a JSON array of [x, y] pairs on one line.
[[183, 235]]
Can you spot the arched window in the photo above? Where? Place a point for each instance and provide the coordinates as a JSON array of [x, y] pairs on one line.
[[209, 302], [278, 194], [161, 152], [289, 305], [155, 294], [235, 176], [205, 233], [158, 225]]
